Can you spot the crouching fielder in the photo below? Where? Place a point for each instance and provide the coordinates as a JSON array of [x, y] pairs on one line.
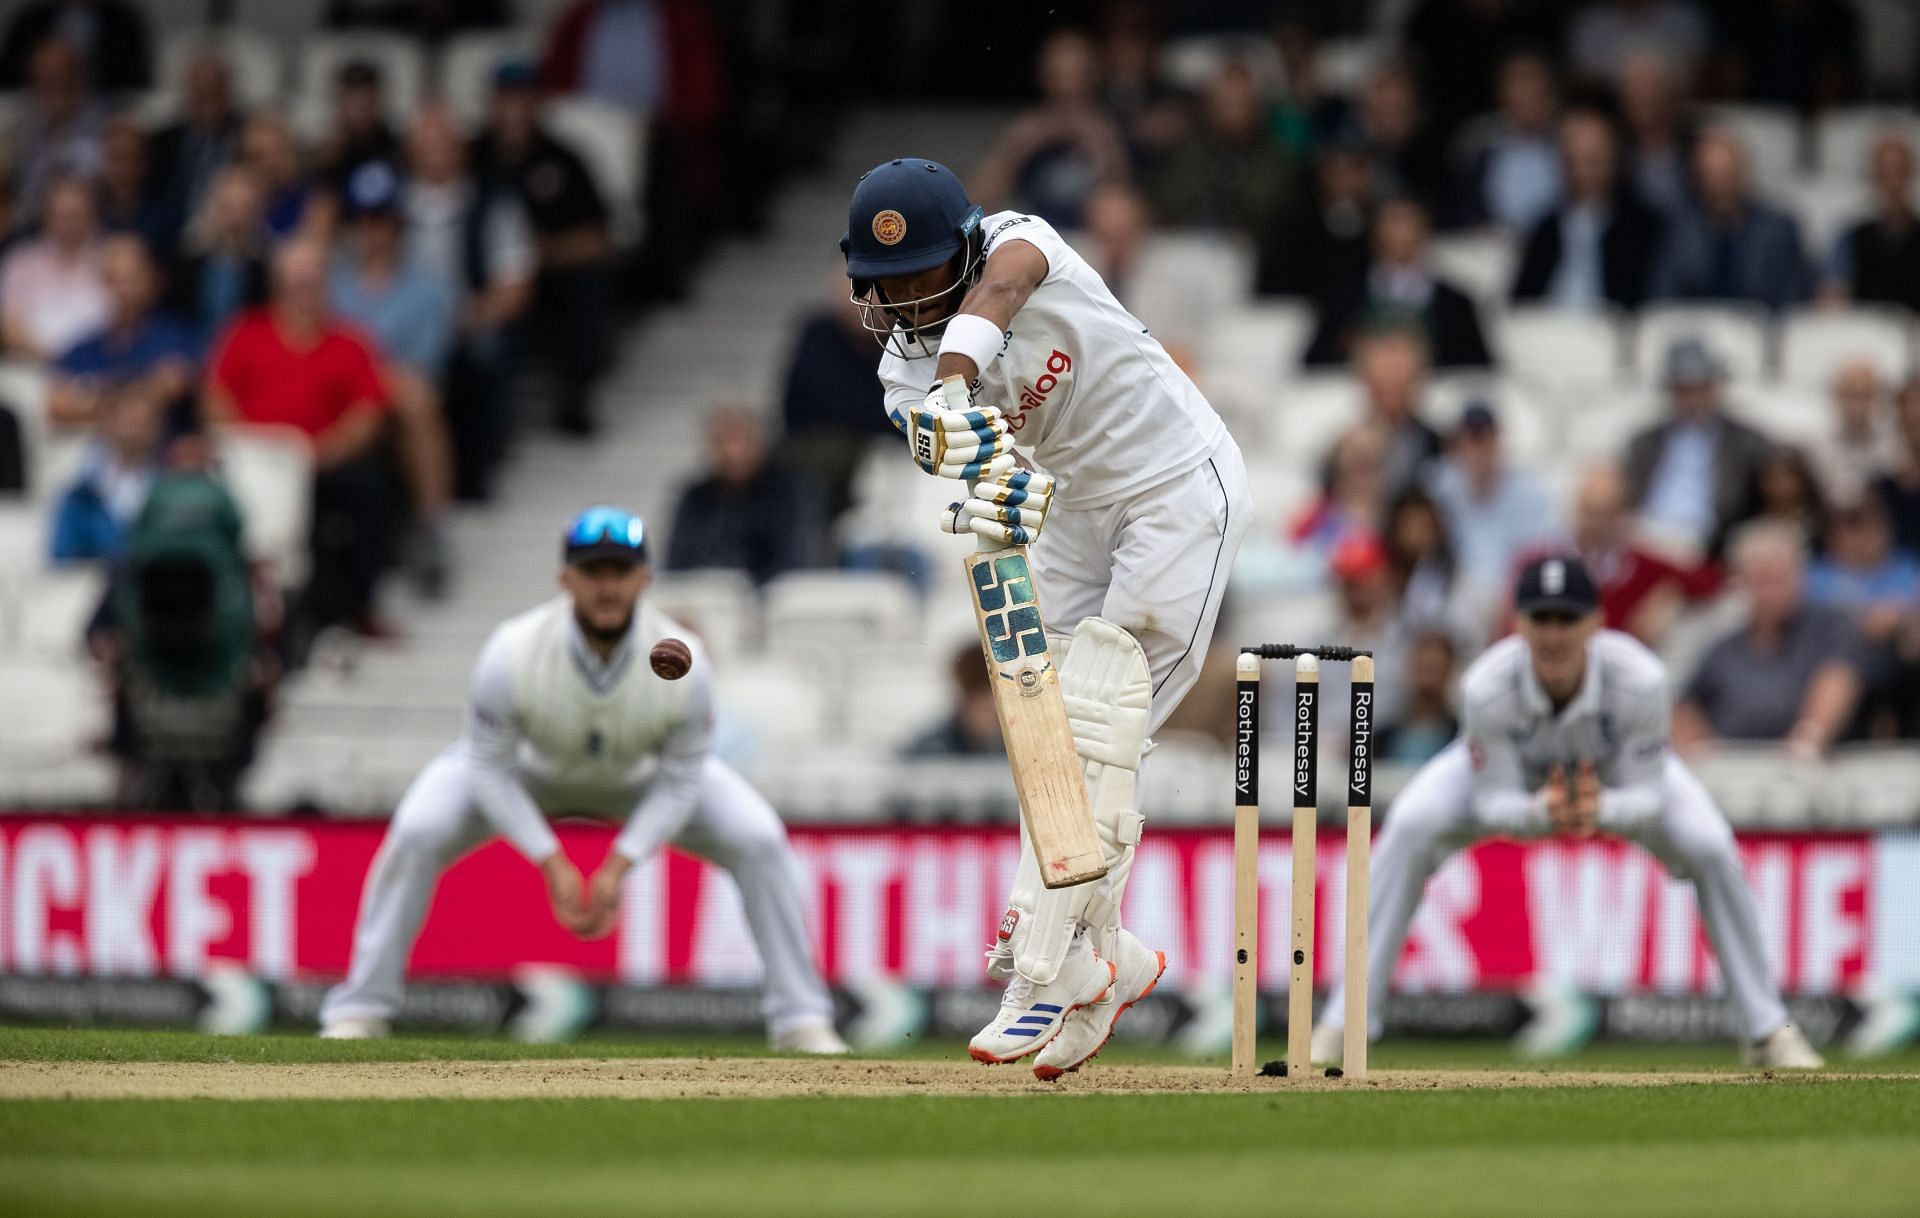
[[568, 717], [1565, 731], [997, 333]]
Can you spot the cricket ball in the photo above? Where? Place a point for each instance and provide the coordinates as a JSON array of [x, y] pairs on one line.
[[671, 659]]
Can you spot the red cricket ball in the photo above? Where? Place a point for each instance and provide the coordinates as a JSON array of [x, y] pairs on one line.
[[671, 659]]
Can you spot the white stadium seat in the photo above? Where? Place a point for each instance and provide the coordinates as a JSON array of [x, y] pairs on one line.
[[1771, 135], [51, 711], [829, 614], [1736, 333], [269, 471], [253, 61], [1844, 138], [1554, 346], [1260, 343], [1607, 419], [1793, 414], [55, 607], [1192, 62], [612, 141], [1186, 282], [1759, 786], [783, 704], [403, 74], [1874, 785], [722, 607], [895, 696], [1309, 414], [1815, 342], [1825, 208], [1481, 264]]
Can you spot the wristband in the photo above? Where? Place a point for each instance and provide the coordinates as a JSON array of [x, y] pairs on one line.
[[973, 336]]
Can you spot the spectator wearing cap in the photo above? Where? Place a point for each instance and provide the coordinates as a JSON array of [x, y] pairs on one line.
[[1788, 673], [222, 265], [745, 513], [1693, 477], [189, 153], [1495, 511], [1230, 173], [574, 299], [1400, 289], [1512, 170], [290, 363], [1860, 443], [292, 207], [109, 39], [140, 351], [1596, 249], [1728, 245], [409, 313], [58, 127], [475, 238], [1641, 591], [52, 293], [1877, 260], [1050, 158], [359, 134]]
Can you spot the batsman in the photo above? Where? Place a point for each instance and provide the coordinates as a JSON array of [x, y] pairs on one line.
[[997, 334]]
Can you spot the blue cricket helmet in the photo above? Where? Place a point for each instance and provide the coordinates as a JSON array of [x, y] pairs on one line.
[[908, 216]]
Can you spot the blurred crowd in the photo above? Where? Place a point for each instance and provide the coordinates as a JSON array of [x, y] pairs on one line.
[[393, 289]]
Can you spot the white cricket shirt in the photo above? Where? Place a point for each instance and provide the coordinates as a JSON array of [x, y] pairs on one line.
[[1618, 720], [552, 730], [1090, 395]]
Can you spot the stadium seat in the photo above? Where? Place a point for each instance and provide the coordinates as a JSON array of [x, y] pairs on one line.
[[1874, 786], [612, 141], [1737, 333], [259, 76], [1191, 63], [1308, 415], [1844, 137], [1815, 342], [465, 71], [1552, 346], [402, 65], [1825, 208], [55, 607], [1259, 343], [1185, 779], [1606, 418], [269, 471], [1189, 281], [1772, 138], [826, 614], [1481, 264], [830, 783], [1759, 786], [721, 607], [51, 711], [1790, 413], [894, 697], [1530, 418], [963, 790], [782, 704]]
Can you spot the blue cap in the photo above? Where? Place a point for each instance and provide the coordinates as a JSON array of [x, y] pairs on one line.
[[1691, 362], [373, 189], [907, 216], [515, 74], [603, 531]]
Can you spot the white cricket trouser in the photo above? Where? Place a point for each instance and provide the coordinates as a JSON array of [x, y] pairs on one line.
[[1433, 817], [1155, 565], [732, 826]]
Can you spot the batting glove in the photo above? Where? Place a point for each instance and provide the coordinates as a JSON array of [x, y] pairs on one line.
[[1008, 507], [949, 438]]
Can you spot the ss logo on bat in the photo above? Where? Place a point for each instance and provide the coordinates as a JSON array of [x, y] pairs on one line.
[[1004, 591]]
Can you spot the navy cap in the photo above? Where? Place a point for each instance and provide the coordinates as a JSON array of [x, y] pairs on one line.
[[373, 190], [1691, 362], [1479, 418], [515, 74], [1558, 583], [907, 216]]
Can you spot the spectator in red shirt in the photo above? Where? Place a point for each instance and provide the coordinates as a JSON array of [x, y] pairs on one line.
[[290, 363], [1640, 592]]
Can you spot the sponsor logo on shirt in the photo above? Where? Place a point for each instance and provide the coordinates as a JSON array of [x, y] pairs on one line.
[[1004, 225], [1034, 396]]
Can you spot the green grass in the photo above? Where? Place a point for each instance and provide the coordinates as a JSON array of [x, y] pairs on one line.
[[1800, 1148]]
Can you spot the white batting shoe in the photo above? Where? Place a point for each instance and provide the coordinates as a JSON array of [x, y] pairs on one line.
[[1786, 1049], [817, 1037], [356, 1027], [1086, 1031], [1031, 1015]]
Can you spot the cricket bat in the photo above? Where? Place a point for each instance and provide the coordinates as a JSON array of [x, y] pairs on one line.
[[1033, 719]]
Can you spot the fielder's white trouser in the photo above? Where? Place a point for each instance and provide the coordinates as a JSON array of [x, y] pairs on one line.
[[733, 826], [1155, 565], [1433, 817]]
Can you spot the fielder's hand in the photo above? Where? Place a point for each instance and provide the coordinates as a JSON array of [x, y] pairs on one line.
[[1008, 507], [564, 890], [1586, 799], [1573, 807], [603, 897], [949, 438]]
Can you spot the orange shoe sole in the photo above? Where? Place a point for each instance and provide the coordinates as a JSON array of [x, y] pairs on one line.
[[1047, 1074], [988, 1059]]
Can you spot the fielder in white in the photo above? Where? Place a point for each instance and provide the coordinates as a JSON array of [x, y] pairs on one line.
[[568, 718], [1564, 730], [996, 332]]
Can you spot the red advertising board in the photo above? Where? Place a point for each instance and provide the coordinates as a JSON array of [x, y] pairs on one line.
[[166, 896]]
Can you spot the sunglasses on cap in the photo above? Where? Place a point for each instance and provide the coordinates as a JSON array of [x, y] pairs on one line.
[[606, 532]]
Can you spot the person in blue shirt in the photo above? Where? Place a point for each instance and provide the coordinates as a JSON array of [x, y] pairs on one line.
[[153, 352], [93, 514], [409, 312]]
